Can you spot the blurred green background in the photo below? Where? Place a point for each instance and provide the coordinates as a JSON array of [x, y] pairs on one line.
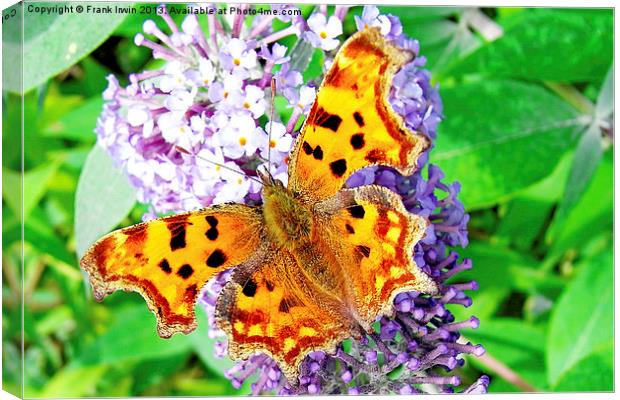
[[529, 118]]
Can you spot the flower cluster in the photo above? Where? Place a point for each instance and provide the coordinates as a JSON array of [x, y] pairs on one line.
[[194, 133], [211, 101]]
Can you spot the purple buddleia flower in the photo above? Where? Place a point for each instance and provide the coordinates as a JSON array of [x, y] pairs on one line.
[[194, 132], [207, 101]]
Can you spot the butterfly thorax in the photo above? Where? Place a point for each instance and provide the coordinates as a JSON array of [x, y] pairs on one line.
[[287, 220]]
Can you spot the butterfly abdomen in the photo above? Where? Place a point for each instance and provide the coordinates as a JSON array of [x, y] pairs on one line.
[[288, 221]]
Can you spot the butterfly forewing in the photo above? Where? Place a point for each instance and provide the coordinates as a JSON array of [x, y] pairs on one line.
[[351, 125], [168, 260]]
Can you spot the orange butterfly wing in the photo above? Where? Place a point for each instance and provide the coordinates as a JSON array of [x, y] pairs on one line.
[[373, 236], [351, 124], [168, 260], [272, 307]]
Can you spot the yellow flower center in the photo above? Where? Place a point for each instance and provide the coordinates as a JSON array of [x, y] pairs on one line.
[[272, 143], [246, 105], [323, 35], [237, 62], [242, 141]]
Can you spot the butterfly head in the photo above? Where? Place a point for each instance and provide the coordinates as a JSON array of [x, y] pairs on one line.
[[268, 180]]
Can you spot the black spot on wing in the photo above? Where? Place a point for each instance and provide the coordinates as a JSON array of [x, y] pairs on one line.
[[327, 120], [212, 233], [211, 220], [185, 271], [363, 250], [269, 285], [284, 306], [357, 211], [307, 148], [318, 153], [216, 259], [357, 141], [338, 167], [349, 228], [358, 119], [177, 234], [165, 266], [249, 289]]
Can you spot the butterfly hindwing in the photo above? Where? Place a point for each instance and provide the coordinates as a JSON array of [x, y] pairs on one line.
[[373, 234], [168, 260], [351, 124], [271, 307]]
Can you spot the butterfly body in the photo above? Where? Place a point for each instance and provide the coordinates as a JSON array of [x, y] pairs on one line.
[[295, 227], [288, 222], [317, 263]]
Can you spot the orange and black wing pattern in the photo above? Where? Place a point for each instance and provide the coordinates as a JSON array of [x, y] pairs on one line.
[[351, 124], [168, 260], [273, 308], [373, 237]]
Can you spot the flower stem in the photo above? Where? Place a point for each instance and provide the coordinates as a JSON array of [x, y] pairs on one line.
[[212, 31], [238, 22], [572, 97], [488, 29], [291, 30], [261, 26]]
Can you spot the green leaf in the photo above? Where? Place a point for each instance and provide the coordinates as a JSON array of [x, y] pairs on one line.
[[74, 382], [409, 15], [132, 336], [538, 47], [314, 69], [78, 124], [582, 320], [103, 198], [517, 344], [91, 77], [53, 42], [605, 99], [592, 374], [36, 183], [204, 345], [525, 216], [442, 40], [592, 215], [498, 267], [301, 54], [12, 50], [587, 158], [152, 372], [500, 137]]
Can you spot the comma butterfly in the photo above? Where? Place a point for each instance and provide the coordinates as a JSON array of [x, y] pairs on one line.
[[317, 263]]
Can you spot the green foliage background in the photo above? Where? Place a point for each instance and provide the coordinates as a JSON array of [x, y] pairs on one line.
[[528, 103]]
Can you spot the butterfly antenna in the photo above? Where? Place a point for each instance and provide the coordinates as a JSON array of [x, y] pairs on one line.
[[184, 151], [273, 107]]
